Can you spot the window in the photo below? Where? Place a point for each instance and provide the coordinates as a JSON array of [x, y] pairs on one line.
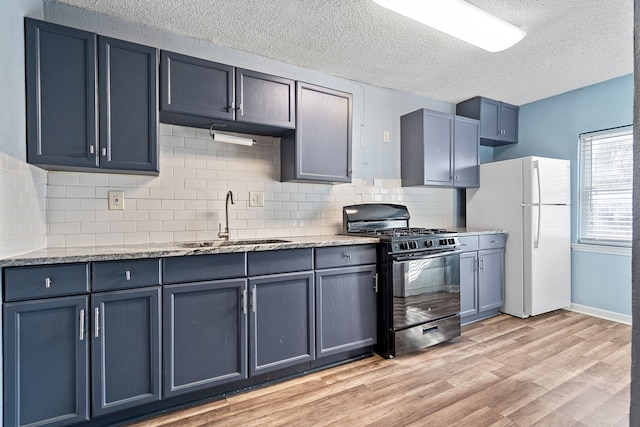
[[605, 187]]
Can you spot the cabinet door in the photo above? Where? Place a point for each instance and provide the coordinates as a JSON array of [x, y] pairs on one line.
[[46, 362], [265, 99], [490, 119], [509, 122], [466, 156], [438, 143], [281, 321], [196, 87], [490, 279], [61, 96], [128, 105], [320, 147], [346, 309], [125, 351], [204, 331], [468, 284]]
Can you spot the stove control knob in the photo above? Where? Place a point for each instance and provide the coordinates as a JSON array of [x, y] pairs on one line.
[[428, 243], [403, 245], [443, 241], [413, 244]]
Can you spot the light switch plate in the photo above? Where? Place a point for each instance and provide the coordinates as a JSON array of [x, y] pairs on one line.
[[256, 199], [116, 200]]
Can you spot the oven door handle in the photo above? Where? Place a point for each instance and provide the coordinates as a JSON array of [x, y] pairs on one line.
[[417, 257]]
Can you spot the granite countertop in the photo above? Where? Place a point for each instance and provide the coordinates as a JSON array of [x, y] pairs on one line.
[[463, 231], [158, 250]]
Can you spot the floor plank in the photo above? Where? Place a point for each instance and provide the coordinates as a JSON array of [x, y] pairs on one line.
[[557, 369]]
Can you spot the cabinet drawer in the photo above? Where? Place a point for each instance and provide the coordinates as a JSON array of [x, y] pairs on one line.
[[343, 256], [135, 273], [197, 268], [490, 241], [468, 243], [285, 261], [21, 283]]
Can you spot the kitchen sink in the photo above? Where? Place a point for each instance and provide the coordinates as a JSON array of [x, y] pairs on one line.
[[219, 243]]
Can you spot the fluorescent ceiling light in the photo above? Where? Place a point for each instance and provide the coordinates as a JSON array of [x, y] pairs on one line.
[[461, 20]]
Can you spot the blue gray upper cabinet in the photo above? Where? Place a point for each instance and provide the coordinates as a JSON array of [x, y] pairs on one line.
[[200, 93], [194, 87], [438, 149], [67, 75], [498, 120], [61, 96], [319, 150], [128, 82], [264, 99]]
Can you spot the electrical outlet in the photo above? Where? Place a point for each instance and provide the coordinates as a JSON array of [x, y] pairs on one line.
[[256, 199], [386, 136], [116, 200]]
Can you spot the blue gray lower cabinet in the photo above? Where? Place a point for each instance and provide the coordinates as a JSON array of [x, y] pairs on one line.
[[481, 276], [281, 321], [205, 335], [346, 309], [109, 340], [46, 372], [125, 349]]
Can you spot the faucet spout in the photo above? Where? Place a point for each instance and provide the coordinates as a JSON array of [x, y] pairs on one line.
[[225, 234]]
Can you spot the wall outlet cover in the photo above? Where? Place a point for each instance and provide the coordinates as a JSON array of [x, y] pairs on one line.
[[256, 199], [116, 200]]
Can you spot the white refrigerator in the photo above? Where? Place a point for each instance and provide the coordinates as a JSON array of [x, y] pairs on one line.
[[529, 198]]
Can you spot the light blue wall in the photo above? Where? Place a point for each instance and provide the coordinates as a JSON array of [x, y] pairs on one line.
[[550, 128]]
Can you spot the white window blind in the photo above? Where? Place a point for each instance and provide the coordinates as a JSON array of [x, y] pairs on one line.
[[605, 187]]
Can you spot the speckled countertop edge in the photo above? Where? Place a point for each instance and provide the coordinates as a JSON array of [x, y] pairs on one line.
[[162, 250]]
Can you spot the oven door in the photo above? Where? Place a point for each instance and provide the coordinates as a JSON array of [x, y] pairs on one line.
[[426, 287]]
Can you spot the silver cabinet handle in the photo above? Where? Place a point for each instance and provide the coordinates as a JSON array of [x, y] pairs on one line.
[[244, 301], [375, 286], [82, 324], [127, 275], [96, 331], [92, 150], [348, 256], [254, 299], [476, 264], [482, 268], [104, 152], [47, 282]]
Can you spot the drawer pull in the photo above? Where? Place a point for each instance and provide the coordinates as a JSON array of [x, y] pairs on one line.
[[82, 325], [348, 256], [127, 275], [495, 241], [96, 331], [47, 282], [425, 331]]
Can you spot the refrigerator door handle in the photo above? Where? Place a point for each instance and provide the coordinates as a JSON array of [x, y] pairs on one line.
[[536, 242], [536, 168]]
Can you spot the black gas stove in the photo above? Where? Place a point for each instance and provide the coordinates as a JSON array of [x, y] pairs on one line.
[[419, 278]]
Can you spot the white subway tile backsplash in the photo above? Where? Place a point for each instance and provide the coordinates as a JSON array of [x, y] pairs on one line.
[[187, 200]]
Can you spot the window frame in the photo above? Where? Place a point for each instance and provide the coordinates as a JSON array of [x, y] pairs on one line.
[[586, 238]]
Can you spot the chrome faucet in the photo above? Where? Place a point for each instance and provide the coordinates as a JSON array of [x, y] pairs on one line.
[[225, 234]]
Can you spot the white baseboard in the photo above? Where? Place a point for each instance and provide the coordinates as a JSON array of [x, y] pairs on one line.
[[603, 314]]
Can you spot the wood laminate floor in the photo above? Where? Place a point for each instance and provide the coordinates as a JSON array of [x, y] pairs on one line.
[[558, 369]]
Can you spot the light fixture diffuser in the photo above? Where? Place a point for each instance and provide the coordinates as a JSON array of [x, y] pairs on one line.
[[461, 20]]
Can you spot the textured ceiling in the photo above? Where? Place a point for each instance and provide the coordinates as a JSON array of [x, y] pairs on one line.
[[569, 43]]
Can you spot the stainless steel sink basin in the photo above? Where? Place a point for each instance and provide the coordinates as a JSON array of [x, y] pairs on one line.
[[219, 243]]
